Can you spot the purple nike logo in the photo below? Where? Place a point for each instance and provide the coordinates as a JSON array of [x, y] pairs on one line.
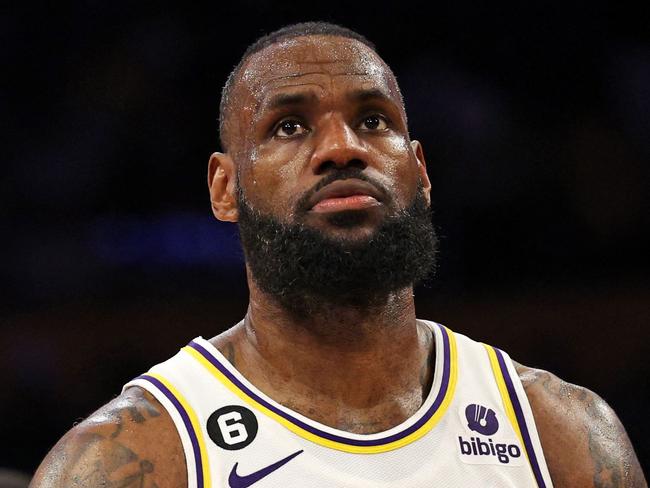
[[236, 481]]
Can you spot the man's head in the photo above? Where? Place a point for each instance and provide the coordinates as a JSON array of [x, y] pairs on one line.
[[319, 169], [228, 101]]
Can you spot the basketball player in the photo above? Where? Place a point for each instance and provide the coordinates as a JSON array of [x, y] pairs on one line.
[[330, 380]]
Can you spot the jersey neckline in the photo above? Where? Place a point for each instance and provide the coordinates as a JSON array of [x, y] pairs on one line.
[[421, 422]]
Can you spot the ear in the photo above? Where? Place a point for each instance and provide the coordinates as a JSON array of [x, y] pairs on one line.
[[422, 167], [221, 182]]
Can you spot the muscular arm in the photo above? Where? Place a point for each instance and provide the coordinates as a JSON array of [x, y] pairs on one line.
[[131, 442], [584, 443]]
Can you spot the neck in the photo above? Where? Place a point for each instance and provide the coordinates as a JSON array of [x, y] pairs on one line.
[[334, 326], [356, 362]]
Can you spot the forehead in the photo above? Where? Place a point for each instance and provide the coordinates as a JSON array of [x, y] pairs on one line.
[[320, 61]]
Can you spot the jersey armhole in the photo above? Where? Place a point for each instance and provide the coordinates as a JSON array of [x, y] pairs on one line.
[[529, 419], [518, 410], [186, 424]]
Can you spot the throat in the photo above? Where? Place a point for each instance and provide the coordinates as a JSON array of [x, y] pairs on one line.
[[355, 399], [358, 388]]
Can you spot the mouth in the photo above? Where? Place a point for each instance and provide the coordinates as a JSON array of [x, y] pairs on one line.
[[343, 195]]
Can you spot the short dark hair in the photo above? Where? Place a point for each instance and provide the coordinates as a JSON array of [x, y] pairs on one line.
[[287, 32]]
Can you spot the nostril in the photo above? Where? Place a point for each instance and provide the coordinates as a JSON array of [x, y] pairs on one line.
[[356, 163], [325, 166]]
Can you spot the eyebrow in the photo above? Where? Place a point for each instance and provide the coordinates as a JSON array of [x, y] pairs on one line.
[[282, 100], [368, 95]]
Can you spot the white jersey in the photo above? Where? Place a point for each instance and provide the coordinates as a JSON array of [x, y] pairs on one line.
[[475, 429]]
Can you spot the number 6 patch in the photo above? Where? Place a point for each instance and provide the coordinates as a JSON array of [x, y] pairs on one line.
[[232, 427]]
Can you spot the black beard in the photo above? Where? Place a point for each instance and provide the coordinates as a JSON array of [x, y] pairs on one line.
[[308, 272]]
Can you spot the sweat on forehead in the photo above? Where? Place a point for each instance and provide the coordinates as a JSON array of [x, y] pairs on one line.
[[311, 55], [288, 59]]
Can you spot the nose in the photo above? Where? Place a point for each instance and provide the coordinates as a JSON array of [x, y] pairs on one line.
[[337, 146]]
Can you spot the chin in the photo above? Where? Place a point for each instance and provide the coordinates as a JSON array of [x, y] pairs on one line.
[[348, 219], [348, 225], [352, 235]]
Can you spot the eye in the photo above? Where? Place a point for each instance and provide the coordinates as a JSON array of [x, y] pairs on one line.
[[374, 122], [289, 128]]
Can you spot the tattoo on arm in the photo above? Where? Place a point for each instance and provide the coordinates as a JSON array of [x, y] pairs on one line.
[[615, 464], [138, 412], [117, 467], [128, 443], [104, 460]]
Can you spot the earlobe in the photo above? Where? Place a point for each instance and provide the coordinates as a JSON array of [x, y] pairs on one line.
[[221, 183], [422, 167]]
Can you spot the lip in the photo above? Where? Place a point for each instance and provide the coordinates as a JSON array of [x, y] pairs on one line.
[[346, 194]]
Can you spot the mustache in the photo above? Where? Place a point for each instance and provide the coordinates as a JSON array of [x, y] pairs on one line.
[[342, 174]]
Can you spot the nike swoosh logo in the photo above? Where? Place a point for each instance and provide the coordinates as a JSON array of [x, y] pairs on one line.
[[236, 481]]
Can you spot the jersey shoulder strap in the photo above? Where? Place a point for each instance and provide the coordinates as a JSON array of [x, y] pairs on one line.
[[165, 382], [486, 363]]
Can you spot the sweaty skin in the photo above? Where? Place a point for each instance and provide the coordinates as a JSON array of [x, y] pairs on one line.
[[304, 106]]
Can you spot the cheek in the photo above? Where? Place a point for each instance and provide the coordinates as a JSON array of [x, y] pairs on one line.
[[396, 151], [399, 167], [274, 172]]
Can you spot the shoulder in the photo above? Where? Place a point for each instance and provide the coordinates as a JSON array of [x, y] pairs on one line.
[[585, 444], [131, 441]]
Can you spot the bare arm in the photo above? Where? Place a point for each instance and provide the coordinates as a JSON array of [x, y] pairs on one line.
[[131, 442], [584, 442]]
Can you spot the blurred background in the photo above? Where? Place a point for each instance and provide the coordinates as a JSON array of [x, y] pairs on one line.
[[535, 120]]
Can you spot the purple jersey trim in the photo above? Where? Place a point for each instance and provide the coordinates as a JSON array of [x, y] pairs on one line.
[[186, 420], [521, 419], [327, 435]]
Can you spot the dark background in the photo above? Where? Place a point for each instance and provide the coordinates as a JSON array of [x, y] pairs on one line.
[[535, 119]]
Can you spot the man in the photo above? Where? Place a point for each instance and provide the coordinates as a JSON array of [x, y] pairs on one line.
[[330, 380]]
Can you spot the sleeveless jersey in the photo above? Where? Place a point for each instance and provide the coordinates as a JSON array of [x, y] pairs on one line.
[[474, 430]]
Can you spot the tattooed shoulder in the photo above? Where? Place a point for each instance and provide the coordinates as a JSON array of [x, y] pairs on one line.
[[130, 442], [583, 440]]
